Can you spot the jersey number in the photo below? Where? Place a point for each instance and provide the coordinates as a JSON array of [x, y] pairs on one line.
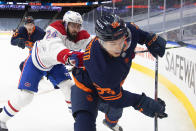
[[51, 34]]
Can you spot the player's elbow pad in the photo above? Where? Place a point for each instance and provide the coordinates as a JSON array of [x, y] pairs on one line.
[[156, 45]]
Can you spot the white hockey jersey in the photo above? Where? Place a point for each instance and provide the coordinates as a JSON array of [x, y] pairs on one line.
[[55, 43]]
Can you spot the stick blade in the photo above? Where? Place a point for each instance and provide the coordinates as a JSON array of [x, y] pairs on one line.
[[181, 43]]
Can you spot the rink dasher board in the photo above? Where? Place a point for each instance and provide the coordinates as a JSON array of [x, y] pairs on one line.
[[177, 71]]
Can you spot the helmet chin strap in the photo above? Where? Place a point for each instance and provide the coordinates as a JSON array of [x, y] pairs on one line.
[[127, 37], [122, 51], [125, 45], [65, 25]]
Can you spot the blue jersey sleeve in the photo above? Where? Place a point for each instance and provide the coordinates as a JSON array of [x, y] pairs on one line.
[[140, 34]]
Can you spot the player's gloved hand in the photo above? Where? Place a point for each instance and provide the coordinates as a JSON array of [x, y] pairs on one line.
[[156, 45], [20, 42], [29, 44], [76, 59], [150, 107]]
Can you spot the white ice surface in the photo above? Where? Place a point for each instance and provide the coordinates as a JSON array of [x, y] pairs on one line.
[[48, 111]]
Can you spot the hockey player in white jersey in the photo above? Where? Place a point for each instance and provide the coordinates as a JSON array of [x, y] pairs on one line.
[[51, 54]]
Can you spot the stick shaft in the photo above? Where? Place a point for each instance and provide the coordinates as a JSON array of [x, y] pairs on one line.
[[156, 92], [178, 45]]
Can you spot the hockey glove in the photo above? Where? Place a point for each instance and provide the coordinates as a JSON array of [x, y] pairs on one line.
[[68, 57], [156, 45], [150, 107], [20, 42], [76, 59]]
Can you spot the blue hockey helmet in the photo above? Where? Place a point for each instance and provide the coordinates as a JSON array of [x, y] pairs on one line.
[[110, 27]]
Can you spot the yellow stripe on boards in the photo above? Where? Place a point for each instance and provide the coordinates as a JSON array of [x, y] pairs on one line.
[[172, 88]]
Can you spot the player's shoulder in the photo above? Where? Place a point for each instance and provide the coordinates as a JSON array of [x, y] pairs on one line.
[[58, 25], [132, 26], [22, 29], [83, 34], [94, 60], [39, 29], [94, 42], [91, 49]]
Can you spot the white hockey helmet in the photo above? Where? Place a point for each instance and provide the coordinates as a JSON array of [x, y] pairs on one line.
[[71, 16]]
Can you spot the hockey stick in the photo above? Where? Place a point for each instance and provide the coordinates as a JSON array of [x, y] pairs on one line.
[[53, 18], [156, 91], [22, 20], [178, 45], [182, 44]]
